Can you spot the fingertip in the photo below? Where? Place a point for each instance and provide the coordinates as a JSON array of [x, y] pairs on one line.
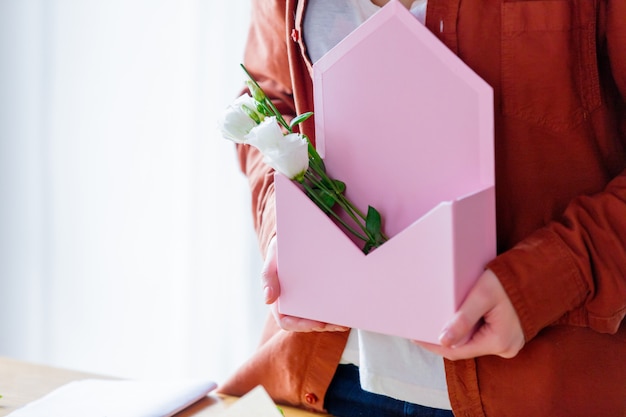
[[337, 328], [446, 338], [268, 294], [449, 336], [287, 323]]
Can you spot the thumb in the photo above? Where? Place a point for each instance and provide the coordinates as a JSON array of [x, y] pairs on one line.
[[269, 274], [469, 316]]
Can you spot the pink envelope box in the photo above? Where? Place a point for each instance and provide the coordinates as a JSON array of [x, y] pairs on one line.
[[409, 128]]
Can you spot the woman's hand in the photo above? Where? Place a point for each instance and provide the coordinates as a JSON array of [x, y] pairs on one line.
[[485, 324], [271, 291]]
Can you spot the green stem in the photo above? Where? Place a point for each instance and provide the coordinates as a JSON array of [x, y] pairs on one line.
[[344, 202], [330, 212], [314, 157], [279, 116], [329, 185], [268, 102], [326, 179], [341, 200]]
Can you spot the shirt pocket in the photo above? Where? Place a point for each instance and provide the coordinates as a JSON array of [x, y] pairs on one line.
[[549, 65]]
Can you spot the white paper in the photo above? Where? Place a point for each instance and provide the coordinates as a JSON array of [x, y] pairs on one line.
[[255, 403], [112, 398]]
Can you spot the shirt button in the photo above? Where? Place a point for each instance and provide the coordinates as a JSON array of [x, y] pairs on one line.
[[295, 35], [310, 398]]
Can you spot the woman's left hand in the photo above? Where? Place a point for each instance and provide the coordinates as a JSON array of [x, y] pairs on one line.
[[485, 324]]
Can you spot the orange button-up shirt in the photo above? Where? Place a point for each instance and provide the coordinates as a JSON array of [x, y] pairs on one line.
[[558, 70]]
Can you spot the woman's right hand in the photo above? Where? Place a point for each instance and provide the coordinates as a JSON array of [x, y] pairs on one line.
[[271, 291]]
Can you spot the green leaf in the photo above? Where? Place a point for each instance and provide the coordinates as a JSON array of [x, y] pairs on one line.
[[373, 222], [373, 225], [322, 198], [299, 119], [340, 186], [328, 198]]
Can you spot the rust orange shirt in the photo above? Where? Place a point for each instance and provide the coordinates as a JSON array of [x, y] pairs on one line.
[[558, 69]]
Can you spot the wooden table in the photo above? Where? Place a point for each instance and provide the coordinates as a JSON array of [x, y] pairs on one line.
[[23, 382]]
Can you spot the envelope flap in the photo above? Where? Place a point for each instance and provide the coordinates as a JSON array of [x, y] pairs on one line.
[[425, 116]]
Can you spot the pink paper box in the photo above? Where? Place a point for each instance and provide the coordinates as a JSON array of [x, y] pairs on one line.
[[409, 128]]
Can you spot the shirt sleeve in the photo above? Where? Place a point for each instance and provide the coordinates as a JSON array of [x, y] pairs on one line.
[[574, 271], [267, 60]]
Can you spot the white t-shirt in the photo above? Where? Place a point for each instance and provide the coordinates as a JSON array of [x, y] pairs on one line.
[[390, 366]]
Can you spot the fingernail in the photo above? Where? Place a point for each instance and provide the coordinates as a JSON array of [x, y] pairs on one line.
[[446, 337], [268, 294], [339, 329]]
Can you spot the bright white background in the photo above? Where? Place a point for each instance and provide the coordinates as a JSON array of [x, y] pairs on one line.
[[125, 235]]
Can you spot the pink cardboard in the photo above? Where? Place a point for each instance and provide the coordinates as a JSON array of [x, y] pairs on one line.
[[409, 128]]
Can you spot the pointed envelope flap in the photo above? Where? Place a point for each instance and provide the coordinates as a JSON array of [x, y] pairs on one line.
[[402, 119]]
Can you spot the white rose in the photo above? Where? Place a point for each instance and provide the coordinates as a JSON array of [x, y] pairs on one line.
[[236, 123], [287, 154], [290, 157], [265, 135]]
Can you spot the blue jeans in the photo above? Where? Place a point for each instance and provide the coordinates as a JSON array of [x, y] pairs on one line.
[[345, 398]]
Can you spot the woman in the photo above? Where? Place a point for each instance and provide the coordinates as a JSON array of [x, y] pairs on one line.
[[550, 307]]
